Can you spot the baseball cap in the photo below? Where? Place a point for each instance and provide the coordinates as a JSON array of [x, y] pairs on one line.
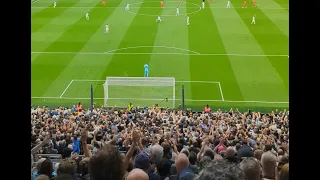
[[142, 161]]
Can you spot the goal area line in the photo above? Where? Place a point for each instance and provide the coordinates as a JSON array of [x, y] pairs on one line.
[[142, 99], [188, 100], [85, 80]]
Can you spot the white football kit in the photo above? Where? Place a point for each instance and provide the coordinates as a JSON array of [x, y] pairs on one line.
[[177, 12], [158, 19], [107, 29], [253, 20], [188, 20], [87, 16], [202, 5], [127, 7], [54, 4], [228, 4]]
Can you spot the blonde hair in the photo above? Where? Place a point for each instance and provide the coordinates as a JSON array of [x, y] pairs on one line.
[[284, 173], [67, 165], [42, 177]]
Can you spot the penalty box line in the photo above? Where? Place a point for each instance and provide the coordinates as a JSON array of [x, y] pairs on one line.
[[65, 90], [88, 80]]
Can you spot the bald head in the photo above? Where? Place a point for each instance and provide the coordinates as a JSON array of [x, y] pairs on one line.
[[280, 152], [269, 164], [182, 161], [137, 174], [229, 152]]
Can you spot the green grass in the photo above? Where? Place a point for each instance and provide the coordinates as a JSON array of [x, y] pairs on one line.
[[219, 47]]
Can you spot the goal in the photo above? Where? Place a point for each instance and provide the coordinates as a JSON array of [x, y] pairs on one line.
[[140, 91]]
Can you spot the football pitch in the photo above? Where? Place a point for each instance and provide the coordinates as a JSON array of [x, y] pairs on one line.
[[221, 58]]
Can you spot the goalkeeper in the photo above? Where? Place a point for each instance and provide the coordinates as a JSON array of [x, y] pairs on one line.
[[146, 70]]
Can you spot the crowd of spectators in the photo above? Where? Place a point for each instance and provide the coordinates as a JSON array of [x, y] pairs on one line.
[[159, 144]]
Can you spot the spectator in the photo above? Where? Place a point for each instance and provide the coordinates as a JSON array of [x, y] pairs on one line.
[[79, 107], [38, 166], [76, 145], [257, 154], [137, 174], [182, 166], [221, 171], [46, 168], [164, 169], [156, 153], [42, 177], [144, 143], [269, 164], [251, 168], [83, 169], [66, 169], [142, 161], [204, 161], [284, 173], [209, 153], [207, 109], [192, 161], [106, 164], [245, 150], [282, 160], [164, 134], [230, 155]]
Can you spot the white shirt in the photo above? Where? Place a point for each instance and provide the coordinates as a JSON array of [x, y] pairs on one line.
[[87, 14], [253, 18], [188, 18], [127, 5], [159, 17], [228, 2], [107, 26], [55, 3], [177, 9]]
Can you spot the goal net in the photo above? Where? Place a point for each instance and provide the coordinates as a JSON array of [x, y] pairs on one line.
[[140, 91]]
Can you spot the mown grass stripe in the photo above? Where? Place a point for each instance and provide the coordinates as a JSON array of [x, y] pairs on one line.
[[254, 84], [73, 39], [93, 66], [270, 38], [172, 32], [142, 32], [278, 15], [283, 3], [48, 14], [204, 37], [265, 32]]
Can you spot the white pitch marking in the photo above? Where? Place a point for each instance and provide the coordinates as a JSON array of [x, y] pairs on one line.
[[191, 100], [66, 88], [136, 47], [221, 91], [35, 1], [79, 7], [184, 54]]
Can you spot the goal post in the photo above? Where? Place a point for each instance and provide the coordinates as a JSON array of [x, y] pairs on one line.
[[140, 91]]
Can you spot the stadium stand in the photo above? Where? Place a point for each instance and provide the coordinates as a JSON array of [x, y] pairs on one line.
[[158, 144]]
